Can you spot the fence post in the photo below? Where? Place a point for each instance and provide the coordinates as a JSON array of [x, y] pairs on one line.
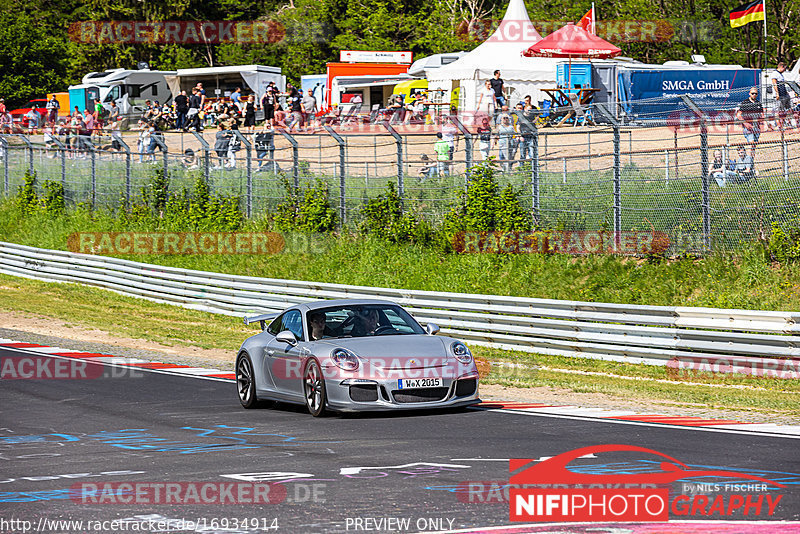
[[534, 155], [30, 151], [467, 142], [705, 191], [784, 150], [401, 188], [342, 191], [4, 145], [589, 150], [62, 150], [535, 178], [87, 142], [128, 184], [249, 151], [295, 157], [609, 116], [159, 138], [206, 156]]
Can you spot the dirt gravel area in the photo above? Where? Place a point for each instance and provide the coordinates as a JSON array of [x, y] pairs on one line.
[[47, 331]]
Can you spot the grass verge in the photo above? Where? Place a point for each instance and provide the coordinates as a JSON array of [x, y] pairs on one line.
[[745, 280], [174, 326]]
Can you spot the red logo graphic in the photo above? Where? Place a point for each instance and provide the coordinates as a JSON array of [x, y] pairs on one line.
[[619, 497]]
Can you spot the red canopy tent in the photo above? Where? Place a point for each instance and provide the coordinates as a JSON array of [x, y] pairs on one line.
[[572, 41]]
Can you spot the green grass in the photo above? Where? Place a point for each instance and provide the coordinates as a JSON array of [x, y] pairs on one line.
[[745, 280], [583, 200], [178, 327]]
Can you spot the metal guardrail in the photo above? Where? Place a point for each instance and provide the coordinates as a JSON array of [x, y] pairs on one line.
[[753, 341]]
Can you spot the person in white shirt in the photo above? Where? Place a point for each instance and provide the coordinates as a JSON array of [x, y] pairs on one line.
[[487, 101]]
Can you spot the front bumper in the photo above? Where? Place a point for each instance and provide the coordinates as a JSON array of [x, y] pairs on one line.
[[384, 394]]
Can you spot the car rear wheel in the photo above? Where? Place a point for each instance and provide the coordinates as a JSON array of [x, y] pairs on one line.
[[314, 389], [246, 381]]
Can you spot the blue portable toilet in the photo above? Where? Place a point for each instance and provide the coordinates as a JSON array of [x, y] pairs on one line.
[[580, 75]]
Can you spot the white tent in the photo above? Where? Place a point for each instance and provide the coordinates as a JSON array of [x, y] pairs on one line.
[[502, 51]]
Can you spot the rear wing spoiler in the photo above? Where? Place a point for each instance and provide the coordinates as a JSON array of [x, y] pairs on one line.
[[261, 319]]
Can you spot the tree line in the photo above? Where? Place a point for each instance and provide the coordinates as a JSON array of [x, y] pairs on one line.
[[39, 54]]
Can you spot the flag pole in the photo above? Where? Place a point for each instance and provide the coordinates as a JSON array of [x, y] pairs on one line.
[[594, 21], [764, 5]]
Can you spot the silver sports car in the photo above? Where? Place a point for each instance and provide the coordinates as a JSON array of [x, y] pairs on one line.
[[348, 355]]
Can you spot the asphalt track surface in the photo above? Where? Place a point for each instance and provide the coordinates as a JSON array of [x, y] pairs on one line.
[[149, 427]]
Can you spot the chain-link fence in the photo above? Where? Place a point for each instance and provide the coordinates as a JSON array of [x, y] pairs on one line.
[[692, 175]]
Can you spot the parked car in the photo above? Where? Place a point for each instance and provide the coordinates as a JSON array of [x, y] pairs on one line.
[[37, 104], [353, 355]]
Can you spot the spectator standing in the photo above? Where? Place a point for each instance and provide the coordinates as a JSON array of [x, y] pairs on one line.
[[499, 88], [784, 101], [143, 141], [750, 113], [442, 149], [264, 141], [52, 109], [89, 123], [485, 137], [236, 97], [487, 101], [202, 94], [309, 107], [525, 128], [505, 141], [250, 113], [221, 144], [449, 132], [193, 113], [181, 110], [268, 104], [113, 114]]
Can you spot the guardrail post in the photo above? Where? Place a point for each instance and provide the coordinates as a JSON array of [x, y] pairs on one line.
[[467, 142], [705, 206], [206, 156], [342, 191], [295, 157], [249, 151], [398, 140], [4, 145]]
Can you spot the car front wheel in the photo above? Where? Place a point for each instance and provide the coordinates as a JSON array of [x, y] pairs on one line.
[[246, 381], [314, 389]]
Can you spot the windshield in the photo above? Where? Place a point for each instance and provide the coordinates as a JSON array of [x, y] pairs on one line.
[[360, 321]]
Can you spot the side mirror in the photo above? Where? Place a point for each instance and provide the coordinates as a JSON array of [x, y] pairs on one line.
[[287, 337], [432, 329]]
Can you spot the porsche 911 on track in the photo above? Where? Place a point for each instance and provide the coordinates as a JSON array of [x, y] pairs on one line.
[[352, 355]]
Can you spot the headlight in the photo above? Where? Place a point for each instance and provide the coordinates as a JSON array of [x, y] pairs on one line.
[[461, 352], [344, 359]]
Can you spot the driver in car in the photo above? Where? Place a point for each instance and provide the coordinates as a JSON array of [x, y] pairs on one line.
[[316, 324], [366, 323]]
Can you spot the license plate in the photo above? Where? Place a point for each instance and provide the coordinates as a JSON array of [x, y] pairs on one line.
[[417, 383]]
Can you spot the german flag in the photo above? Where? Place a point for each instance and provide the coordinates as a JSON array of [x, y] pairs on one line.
[[747, 13]]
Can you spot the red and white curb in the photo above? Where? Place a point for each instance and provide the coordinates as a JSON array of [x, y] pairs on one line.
[[121, 361], [522, 408], [636, 418]]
